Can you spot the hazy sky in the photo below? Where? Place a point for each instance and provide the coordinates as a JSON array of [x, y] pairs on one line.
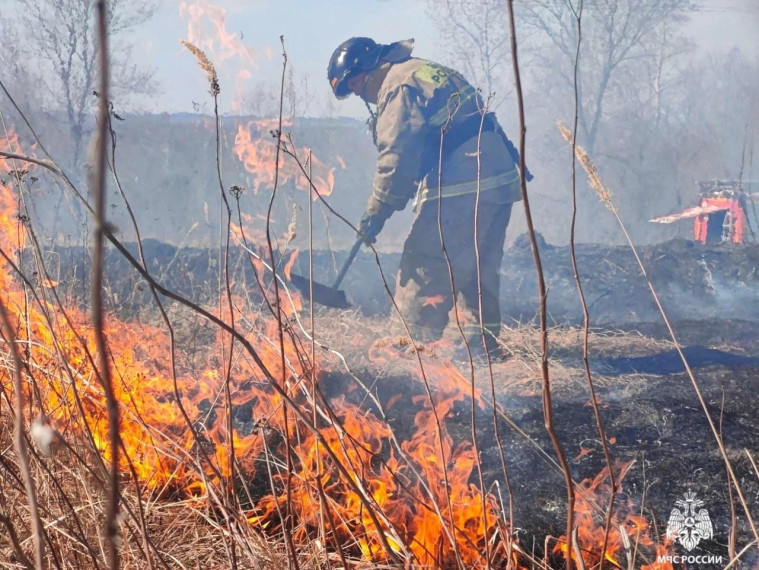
[[313, 28]]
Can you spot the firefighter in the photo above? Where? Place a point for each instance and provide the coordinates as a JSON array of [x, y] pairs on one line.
[[436, 144]]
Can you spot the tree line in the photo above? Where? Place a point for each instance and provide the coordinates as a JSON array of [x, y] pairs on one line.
[[654, 114]]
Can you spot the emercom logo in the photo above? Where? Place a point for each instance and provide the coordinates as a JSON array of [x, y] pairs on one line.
[[689, 524]]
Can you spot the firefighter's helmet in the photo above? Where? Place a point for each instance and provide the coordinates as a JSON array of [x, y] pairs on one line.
[[360, 55], [352, 57]]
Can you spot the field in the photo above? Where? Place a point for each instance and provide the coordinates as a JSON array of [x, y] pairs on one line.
[[389, 425]]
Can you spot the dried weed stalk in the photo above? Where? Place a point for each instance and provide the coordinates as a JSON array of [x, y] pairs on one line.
[[548, 418], [594, 179], [103, 370], [606, 197], [206, 65]]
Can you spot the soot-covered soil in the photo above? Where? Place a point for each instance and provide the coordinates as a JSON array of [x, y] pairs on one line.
[[657, 430], [655, 424], [693, 281]]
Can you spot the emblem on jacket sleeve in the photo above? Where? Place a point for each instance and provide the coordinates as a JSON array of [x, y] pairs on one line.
[[688, 524]]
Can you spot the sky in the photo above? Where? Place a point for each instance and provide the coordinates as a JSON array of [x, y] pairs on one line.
[[312, 29]]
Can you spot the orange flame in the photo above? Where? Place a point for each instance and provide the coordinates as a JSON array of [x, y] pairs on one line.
[[290, 263], [12, 234], [219, 43], [256, 149], [9, 143], [592, 497], [207, 29]]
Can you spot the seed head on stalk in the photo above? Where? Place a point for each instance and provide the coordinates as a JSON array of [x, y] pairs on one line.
[[205, 65], [603, 193]]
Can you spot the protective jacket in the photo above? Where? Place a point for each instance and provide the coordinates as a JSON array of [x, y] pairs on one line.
[[420, 104]]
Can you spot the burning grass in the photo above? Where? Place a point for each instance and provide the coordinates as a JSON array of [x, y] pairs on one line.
[[241, 439], [249, 438], [208, 435], [180, 488], [245, 443], [184, 533]]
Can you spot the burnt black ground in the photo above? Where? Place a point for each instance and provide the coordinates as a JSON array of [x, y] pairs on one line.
[[694, 281], [655, 424]]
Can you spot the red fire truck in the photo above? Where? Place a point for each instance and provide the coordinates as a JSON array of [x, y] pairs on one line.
[[722, 214]]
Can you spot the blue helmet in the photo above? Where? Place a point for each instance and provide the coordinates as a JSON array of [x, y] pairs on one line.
[[351, 58]]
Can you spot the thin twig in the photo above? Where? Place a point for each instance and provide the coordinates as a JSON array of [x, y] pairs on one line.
[[325, 508], [20, 440], [542, 294], [444, 462], [577, 550], [288, 523], [732, 533], [606, 197], [231, 486], [738, 556], [583, 302], [98, 190], [753, 463], [483, 332], [140, 510]]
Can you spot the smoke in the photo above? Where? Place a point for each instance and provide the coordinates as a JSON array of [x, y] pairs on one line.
[[720, 25]]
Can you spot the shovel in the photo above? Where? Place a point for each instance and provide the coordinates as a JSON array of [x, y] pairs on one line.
[[324, 295]]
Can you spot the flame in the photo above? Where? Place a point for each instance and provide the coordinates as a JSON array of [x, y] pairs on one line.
[[254, 147], [591, 500], [290, 263], [250, 236], [662, 551], [9, 143], [207, 29], [432, 512], [433, 301], [217, 42], [426, 516], [395, 487], [257, 151], [249, 231], [12, 236]]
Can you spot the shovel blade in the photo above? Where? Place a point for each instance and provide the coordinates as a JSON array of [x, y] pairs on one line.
[[323, 295]]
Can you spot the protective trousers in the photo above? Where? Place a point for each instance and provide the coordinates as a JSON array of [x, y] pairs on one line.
[[426, 280]]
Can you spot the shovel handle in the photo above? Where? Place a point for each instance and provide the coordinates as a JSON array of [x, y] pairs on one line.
[[347, 263]]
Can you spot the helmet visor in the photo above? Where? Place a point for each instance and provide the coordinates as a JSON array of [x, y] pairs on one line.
[[340, 86]]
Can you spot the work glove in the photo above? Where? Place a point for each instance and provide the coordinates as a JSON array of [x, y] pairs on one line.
[[370, 226]]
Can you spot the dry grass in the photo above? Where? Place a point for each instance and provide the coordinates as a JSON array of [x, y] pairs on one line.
[[188, 533], [172, 527], [366, 342], [183, 533]]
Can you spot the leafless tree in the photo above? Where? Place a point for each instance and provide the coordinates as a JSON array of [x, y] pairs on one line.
[[616, 34], [59, 40], [477, 37], [15, 69], [262, 98]]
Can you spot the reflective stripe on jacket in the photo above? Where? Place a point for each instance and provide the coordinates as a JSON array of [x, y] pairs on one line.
[[417, 99]]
